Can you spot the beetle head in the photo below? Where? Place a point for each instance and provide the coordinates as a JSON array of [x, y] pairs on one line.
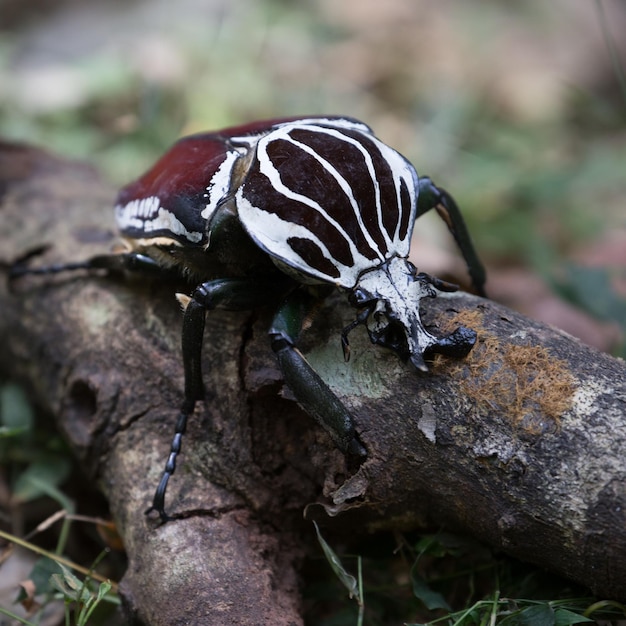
[[389, 298]]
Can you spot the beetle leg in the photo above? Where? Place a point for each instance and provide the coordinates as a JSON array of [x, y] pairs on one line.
[[361, 318], [432, 197], [129, 261], [311, 392], [232, 294]]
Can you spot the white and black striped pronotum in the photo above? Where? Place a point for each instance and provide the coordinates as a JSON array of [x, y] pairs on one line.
[[266, 213]]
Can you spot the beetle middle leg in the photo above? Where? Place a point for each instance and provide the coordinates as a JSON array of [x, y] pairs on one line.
[[311, 392], [432, 197]]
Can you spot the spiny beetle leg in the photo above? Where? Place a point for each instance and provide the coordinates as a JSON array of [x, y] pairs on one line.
[[432, 197], [129, 261], [311, 392], [361, 318], [232, 294]]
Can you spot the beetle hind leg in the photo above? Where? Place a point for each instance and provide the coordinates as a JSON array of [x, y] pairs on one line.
[[126, 261]]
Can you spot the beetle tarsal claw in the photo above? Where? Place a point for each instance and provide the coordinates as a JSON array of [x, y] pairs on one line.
[[417, 361], [345, 346]]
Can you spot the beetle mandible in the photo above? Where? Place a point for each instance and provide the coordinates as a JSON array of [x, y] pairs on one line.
[[267, 213]]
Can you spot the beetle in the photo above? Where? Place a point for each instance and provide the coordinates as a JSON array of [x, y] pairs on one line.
[[284, 211]]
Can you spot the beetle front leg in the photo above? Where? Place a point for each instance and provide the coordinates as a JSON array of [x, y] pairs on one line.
[[310, 391], [432, 197], [231, 294]]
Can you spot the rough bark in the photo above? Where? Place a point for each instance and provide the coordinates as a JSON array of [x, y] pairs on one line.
[[520, 444]]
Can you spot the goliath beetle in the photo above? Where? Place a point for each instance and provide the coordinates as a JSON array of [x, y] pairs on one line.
[[281, 211]]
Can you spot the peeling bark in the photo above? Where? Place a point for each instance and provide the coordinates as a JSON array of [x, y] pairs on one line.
[[520, 444]]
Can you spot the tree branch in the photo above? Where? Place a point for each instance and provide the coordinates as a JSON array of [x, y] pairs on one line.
[[520, 444]]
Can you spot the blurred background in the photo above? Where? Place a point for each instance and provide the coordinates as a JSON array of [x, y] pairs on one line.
[[517, 108]]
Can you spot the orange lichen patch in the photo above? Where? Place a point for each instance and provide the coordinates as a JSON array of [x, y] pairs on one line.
[[469, 318], [525, 384]]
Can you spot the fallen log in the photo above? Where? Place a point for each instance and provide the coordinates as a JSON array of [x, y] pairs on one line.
[[520, 444]]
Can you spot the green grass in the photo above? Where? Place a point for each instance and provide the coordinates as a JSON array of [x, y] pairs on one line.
[[425, 580], [37, 467]]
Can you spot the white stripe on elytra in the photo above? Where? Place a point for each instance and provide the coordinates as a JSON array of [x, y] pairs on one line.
[[307, 122], [272, 233], [147, 215], [338, 122], [219, 185], [343, 183], [370, 167], [409, 175], [266, 167], [400, 170]]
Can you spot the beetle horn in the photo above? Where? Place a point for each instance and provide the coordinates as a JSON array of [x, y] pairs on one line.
[[417, 361]]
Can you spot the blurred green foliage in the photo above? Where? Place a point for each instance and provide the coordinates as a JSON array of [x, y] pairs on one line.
[[483, 98], [36, 462]]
